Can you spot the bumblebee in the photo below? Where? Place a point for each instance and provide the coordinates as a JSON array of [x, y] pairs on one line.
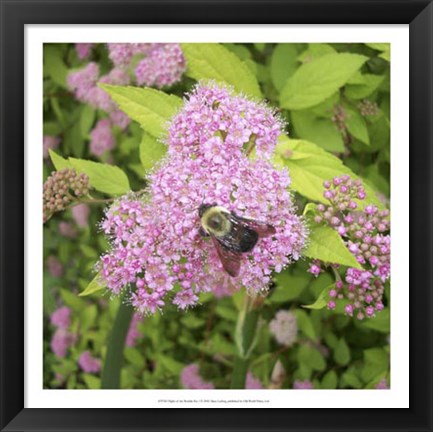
[[231, 234]]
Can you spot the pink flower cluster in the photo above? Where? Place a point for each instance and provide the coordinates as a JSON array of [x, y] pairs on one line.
[[382, 385], [191, 379], [121, 54], [133, 333], [54, 266], [50, 143], [88, 363], [84, 50], [61, 318], [162, 65], [252, 383], [62, 338], [303, 385], [84, 84], [81, 213], [284, 327], [102, 138], [156, 243], [365, 234]]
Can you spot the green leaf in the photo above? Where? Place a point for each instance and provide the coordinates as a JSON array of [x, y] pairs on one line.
[[71, 300], [283, 64], [350, 379], [91, 381], [149, 107], [114, 357], [240, 50], [386, 56], [134, 357], [88, 317], [320, 131], [52, 128], [361, 91], [329, 381], [326, 245], [54, 66], [171, 364], [103, 177], [376, 361], [314, 51], [342, 353], [94, 286], [305, 324], [311, 357], [313, 82], [151, 151], [59, 162], [381, 322], [322, 299], [288, 287], [73, 140], [210, 61], [357, 127], [309, 166], [379, 46], [87, 117]]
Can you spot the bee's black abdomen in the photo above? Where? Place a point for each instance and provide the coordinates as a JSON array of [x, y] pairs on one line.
[[248, 240]]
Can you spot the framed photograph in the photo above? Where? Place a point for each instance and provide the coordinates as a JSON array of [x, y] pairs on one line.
[[207, 192]]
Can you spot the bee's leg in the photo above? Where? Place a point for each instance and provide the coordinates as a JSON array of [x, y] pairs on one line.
[[202, 232]]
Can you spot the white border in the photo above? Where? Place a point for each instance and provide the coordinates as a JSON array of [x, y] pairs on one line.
[[396, 397]]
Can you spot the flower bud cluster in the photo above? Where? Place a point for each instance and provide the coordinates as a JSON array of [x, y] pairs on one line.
[[365, 234], [368, 108], [339, 117], [61, 188]]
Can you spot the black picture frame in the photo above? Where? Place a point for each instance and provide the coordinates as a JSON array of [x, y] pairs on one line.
[[15, 14]]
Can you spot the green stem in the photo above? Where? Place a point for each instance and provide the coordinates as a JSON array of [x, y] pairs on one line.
[[246, 332], [114, 357], [239, 376]]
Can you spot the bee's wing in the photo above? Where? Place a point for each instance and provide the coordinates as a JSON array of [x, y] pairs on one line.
[[261, 228], [230, 260]]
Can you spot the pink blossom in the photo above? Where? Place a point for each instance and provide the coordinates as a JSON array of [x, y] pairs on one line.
[[156, 243], [120, 119], [284, 327], [102, 138], [99, 98], [83, 50], [61, 342], [55, 267], [66, 229], [81, 213], [81, 82], [61, 318], [120, 53], [382, 384], [191, 379], [88, 363], [50, 143], [252, 383], [363, 232], [133, 332], [164, 66], [303, 385]]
